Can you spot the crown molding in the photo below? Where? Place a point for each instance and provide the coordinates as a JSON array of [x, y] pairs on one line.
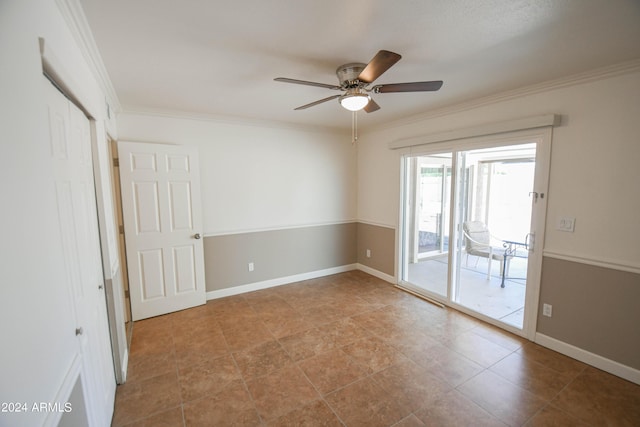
[[230, 120], [72, 12], [609, 71]]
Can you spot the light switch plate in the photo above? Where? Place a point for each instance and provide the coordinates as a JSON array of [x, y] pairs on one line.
[[566, 224]]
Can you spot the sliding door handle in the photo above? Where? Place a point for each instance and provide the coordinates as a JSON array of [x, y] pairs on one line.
[[530, 241]]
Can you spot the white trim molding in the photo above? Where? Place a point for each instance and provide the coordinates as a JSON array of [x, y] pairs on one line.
[[125, 365], [378, 224], [607, 365], [272, 283], [56, 71], [276, 228], [76, 20], [588, 260], [379, 274], [230, 120], [526, 123], [64, 392]]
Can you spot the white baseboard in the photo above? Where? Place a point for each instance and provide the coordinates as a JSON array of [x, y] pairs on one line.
[[378, 274], [242, 289], [64, 392], [589, 358], [250, 287], [125, 365]]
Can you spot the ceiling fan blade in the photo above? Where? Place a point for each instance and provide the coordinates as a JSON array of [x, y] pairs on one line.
[[306, 83], [378, 65], [371, 106], [408, 87], [317, 102]]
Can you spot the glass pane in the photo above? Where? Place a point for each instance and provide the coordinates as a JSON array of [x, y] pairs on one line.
[[495, 215], [427, 222]]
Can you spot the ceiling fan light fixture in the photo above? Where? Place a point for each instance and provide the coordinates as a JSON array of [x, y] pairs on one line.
[[354, 100]]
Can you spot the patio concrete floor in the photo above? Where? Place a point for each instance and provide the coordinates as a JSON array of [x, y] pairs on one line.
[[476, 292]]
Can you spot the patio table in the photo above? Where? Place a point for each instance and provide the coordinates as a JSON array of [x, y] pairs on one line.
[[511, 250]]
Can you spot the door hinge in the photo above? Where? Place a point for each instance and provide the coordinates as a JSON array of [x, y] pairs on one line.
[[116, 162], [121, 229], [126, 293]]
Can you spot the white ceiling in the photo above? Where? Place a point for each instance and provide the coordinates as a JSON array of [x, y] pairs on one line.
[[219, 58]]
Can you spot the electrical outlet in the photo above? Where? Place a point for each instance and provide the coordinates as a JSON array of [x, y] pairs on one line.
[[368, 253], [250, 266], [547, 310]]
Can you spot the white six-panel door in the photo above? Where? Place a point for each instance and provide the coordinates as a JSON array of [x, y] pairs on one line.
[[163, 226]]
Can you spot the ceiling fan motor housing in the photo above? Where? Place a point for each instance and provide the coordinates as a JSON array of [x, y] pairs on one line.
[[348, 75]]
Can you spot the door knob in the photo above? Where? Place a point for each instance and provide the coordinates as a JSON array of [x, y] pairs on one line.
[[79, 331], [197, 236]]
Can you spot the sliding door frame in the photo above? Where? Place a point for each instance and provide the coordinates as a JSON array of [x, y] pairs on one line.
[[542, 137]]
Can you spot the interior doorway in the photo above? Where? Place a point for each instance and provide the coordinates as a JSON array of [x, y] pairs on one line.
[[117, 201], [160, 193], [468, 227]]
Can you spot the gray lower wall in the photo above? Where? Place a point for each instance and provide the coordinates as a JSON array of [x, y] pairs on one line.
[[594, 308], [381, 241], [277, 253]]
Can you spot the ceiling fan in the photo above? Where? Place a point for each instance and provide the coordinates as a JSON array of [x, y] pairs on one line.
[[355, 78]]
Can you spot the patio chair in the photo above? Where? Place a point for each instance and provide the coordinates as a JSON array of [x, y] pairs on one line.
[[478, 243]]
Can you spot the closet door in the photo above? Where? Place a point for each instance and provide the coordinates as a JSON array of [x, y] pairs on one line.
[[77, 218]]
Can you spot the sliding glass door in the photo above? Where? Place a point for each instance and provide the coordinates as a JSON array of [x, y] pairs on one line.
[[469, 222], [428, 194], [492, 261]]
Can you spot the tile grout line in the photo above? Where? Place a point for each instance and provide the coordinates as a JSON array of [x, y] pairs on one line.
[[175, 361], [244, 382], [319, 394], [130, 422], [322, 396], [548, 402]]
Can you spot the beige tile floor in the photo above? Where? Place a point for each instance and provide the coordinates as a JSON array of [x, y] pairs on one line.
[[351, 350]]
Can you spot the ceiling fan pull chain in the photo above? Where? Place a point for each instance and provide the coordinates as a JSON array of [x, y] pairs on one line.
[[354, 127]]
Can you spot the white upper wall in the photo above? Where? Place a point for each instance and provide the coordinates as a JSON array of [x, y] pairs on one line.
[[37, 318], [594, 164], [257, 177]]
